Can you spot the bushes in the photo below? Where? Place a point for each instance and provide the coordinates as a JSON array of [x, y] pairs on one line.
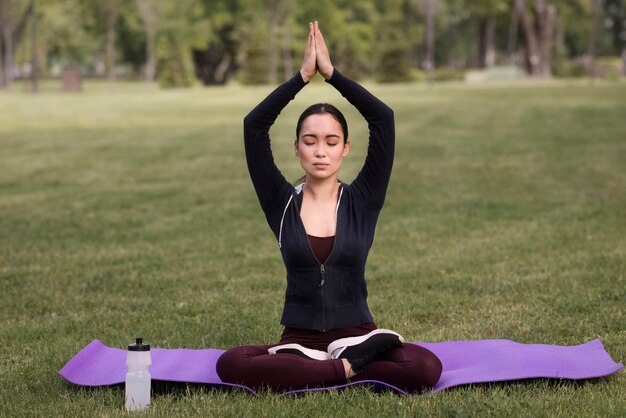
[[609, 68], [393, 55], [449, 74], [439, 74], [174, 68], [255, 70]]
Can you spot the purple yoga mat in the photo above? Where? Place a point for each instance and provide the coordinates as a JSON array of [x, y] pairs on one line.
[[463, 362]]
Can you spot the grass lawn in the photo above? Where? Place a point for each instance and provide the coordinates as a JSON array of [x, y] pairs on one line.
[[130, 211]]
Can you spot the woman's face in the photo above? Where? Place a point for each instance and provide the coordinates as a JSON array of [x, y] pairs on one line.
[[320, 146]]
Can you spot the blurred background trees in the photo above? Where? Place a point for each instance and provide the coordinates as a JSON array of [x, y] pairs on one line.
[[182, 42]]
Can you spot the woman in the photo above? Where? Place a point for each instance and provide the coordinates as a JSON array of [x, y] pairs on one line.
[[325, 230]]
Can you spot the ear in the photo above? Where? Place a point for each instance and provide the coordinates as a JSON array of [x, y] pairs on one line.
[[295, 146], [346, 148]]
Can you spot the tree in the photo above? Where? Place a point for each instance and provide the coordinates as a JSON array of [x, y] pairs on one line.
[[272, 10], [357, 38], [2, 77], [109, 9], [6, 21], [183, 27], [538, 36], [2, 82], [34, 60], [217, 60], [392, 48], [485, 14], [68, 34], [149, 12], [14, 18], [430, 8], [287, 47], [280, 18], [615, 24], [262, 40], [253, 35], [596, 7]]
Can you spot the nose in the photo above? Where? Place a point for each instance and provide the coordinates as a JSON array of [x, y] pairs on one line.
[[320, 150]]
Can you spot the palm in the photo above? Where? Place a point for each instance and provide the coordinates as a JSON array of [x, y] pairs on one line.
[[309, 63], [316, 56], [324, 65]]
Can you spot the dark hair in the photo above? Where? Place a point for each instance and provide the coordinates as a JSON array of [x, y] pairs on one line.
[[321, 108]]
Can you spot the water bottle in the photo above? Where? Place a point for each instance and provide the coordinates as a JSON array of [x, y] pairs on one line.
[[138, 376]]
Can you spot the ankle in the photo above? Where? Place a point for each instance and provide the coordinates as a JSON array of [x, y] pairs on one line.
[[347, 367]]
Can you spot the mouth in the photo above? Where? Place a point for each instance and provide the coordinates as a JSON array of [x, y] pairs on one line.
[[320, 165]]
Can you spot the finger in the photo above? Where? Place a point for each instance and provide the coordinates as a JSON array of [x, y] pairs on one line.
[[319, 37], [312, 40], [319, 41], [311, 37]]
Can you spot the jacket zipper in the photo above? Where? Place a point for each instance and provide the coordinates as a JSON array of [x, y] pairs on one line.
[[322, 268], [322, 271]]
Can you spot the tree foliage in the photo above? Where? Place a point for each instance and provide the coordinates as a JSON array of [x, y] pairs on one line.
[[260, 41]]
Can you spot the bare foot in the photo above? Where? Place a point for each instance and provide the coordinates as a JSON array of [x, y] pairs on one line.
[[348, 368]]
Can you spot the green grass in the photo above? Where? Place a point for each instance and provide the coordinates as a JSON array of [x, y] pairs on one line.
[[130, 212]]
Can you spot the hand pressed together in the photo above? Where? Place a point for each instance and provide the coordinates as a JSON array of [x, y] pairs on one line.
[[316, 56]]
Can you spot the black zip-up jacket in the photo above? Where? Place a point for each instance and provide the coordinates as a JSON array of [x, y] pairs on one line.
[[334, 294]]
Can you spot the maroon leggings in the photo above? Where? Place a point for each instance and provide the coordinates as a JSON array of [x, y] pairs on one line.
[[409, 367]]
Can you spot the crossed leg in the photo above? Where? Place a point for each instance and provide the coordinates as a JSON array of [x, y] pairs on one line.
[[409, 367]]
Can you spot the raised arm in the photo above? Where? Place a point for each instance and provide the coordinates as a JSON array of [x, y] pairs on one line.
[[268, 181], [270, 185], [371, 183]]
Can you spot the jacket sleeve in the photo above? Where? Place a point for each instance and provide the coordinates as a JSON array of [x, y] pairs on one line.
[[370, 185], [270, 185]]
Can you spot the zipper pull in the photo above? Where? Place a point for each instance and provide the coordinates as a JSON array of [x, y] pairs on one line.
[[322, 270]]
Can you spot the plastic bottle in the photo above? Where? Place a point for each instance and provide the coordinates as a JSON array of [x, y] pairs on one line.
[[138, 377]]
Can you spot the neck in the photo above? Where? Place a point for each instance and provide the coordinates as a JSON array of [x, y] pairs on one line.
[[322, 189]]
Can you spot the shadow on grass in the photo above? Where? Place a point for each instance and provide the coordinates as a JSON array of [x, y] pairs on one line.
[[543, 383], [162, 388]]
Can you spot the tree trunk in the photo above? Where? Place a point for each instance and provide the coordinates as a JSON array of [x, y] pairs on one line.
[[489, 47], [7, 38], [6, 21], [178, 67], [20, 28], [149, 12], [429, 11], [538, 36], [110, 19], [150, 54], [530, 38], [2, 83], [546, 17], [513, 28], [34, 69], [596, 6], [110, 54], [273, 50], [478, 58], [287, 52]]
